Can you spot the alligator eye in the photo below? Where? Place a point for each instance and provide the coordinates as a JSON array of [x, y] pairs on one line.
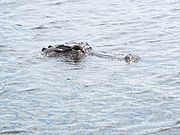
[[43, 49], [77, 47]]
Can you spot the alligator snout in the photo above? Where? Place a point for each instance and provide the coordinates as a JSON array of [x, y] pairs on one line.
[[131, 58]]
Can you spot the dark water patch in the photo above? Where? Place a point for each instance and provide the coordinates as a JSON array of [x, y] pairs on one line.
[[106, 45], [58, 27], [40, 27], [2, 46], [58, 3], [13, 132], [154, 41], [142, 92], [176, 9], [19, 25], [8, 3], [178, 122], [2, 92], [29, 90]]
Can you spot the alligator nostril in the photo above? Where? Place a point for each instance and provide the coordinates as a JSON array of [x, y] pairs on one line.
[[131, 58]]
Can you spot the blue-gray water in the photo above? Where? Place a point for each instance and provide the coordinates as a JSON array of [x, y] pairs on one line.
[[97, 96]]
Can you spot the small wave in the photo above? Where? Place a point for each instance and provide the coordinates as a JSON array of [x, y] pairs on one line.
[[13, 132], [29, 90], [166, 130], [40, 27], [19, 25], [2, 46], [58, 3], [1, 93], [178, 122]]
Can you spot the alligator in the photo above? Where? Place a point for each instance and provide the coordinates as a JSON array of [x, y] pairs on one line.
[[78, 50]]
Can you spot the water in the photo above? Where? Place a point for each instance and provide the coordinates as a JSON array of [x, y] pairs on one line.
[[44, 96]]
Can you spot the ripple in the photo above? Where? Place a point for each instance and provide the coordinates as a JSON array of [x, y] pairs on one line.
[[168, 130], [40, 27]]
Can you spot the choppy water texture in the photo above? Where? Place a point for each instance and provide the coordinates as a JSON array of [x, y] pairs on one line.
[[98, 96]]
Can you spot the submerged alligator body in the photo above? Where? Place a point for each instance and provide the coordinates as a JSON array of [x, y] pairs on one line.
[[78, 50]]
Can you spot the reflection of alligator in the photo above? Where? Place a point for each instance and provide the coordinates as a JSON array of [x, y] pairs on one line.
[[76, 51]]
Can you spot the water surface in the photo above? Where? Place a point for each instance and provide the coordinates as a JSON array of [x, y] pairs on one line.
[[41, 95]]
